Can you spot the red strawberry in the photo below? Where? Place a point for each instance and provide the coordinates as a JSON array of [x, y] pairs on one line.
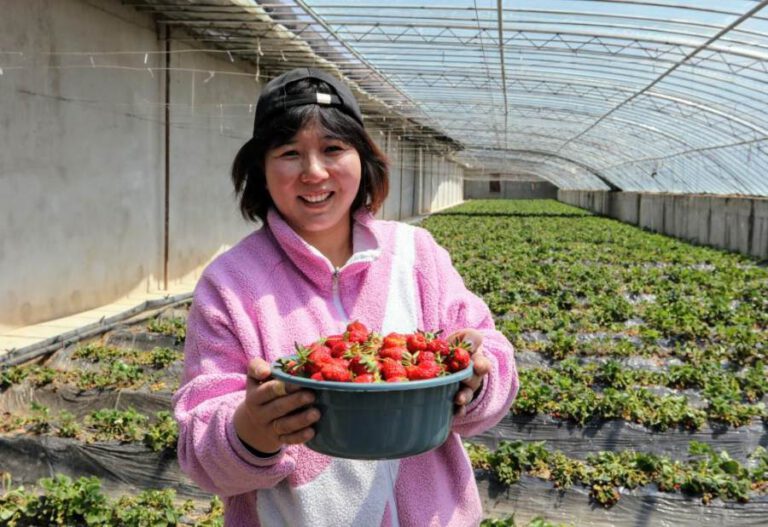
[[333, 339], [335, 372], [395, 353], [416, 342], [339, 348], [357, 326], [458, 359], [360, 364], [424, 370], [399, 378], [430, 370], [391, 368], [358, 337], [439, 346], [317, 376], [365, 377], [292, 367], [426, 356], [356, 332], [317, 356], [394, 340]]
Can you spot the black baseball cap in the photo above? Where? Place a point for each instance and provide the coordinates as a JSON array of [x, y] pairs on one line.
[[275, 99]]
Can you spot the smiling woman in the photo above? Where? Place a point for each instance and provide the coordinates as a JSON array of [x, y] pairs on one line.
[[314, 177], [335, 126], [313, 180]]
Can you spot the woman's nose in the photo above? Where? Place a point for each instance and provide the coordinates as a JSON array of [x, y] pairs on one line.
[[313, 168]]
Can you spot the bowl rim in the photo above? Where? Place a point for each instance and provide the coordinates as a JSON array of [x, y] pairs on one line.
[[458, 376]]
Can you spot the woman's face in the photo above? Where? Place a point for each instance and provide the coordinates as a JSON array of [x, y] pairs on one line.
[[313, 180]]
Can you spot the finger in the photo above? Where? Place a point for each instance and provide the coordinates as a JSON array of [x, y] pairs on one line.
[[463, 396], [259, 369], [482, 366], [473, 383], [279, 388], [281, 406], [269, 391], [459, 410], [472, 336], [295, 422], [296, 438]]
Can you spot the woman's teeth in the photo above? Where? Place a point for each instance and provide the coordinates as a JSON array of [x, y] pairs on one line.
[[317, 198]]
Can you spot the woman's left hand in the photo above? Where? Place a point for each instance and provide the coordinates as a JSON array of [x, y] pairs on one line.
[[470, 386]]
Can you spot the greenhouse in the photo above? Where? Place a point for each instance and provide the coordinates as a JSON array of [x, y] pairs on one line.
[[596, 172]]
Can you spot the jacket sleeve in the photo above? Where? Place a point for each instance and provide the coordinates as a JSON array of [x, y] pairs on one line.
[[213, 385], [447, 304]]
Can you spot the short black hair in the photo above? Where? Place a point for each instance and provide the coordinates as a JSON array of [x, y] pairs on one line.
[[248, 175]]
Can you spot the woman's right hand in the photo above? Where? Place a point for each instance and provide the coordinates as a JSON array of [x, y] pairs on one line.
[[273, 414]]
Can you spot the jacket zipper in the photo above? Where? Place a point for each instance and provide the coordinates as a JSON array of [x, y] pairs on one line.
[[337, 296]]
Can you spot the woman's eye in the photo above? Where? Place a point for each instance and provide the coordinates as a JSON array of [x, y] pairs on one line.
[[289, 153], [334, 148]]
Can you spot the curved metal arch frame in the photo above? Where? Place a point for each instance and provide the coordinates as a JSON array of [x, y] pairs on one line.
[[612, 71]]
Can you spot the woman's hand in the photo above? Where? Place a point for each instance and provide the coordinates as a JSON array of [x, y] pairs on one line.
[[273, 414], [482, 366]]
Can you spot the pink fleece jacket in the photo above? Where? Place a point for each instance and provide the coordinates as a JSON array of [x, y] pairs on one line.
[[272, 290]]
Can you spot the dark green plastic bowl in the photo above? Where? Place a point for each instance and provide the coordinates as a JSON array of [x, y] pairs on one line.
[[380, 420]]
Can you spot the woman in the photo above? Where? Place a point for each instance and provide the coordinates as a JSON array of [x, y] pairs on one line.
[[314, 177]]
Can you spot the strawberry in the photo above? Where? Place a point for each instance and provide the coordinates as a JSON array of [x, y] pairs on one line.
[[365, 377], [391, 368], [424, 370], [333, 339], [438, 346], [317, 376], [399, 378], [357, 336], [335, 372], [430, 370], [357, 326], [339, 348], [426, 356], [416, 342], [361, 364], [290, 366], [394, 340], [458, 359], [317, 355], [356, 332], [395, 353]]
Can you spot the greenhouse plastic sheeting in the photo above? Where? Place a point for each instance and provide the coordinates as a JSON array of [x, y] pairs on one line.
[[532, 497], [616, 435], [121, 467], [663, 95]]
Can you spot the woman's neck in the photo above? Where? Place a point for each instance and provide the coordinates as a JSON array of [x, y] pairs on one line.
[[335, 244]]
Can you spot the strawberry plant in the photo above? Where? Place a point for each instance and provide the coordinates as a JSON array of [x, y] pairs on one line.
[[705, 474], [119, 425], [62, 501], [172, 326]]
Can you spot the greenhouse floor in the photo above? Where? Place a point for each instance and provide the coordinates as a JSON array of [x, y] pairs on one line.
[[642, 364]]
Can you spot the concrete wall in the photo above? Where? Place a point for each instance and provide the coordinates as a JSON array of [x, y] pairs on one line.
[[81, 199], [210, 119], [82, 170], [510, 190], [738, 224]]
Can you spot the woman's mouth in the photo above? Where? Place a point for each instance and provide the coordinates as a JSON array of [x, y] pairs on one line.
[[316, 198]]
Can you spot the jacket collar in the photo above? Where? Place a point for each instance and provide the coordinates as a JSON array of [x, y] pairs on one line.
[[366, 248]]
